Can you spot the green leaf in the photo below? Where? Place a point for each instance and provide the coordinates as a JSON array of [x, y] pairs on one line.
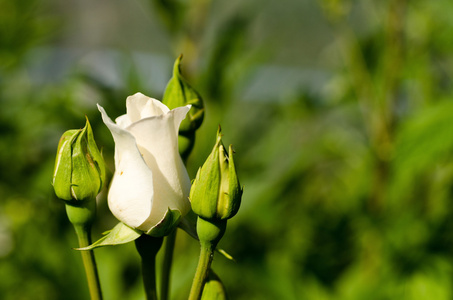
[[423, 142]]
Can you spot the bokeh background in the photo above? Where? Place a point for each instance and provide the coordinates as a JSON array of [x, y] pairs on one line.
[[340, 113]]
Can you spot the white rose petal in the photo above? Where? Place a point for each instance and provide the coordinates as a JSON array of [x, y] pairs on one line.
[[150, 176]]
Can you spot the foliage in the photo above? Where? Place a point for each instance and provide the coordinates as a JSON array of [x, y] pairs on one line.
[[338, 111]]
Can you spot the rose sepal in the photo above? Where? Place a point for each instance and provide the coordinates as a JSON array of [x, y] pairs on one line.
[[168, 223], [120, 234]]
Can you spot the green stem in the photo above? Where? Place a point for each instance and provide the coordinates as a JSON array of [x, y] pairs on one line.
[[209, 232], [204, 263], [148, 247], [166, 267], [84, 237], [82, 217]]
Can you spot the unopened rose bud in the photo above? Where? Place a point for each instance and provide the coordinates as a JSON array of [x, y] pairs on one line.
[[215, 197], [213, 288], [180, 93], [79, 172], [150, 186], [216, 192]]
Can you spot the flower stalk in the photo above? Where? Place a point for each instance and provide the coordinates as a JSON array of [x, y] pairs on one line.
[[204, 264], [210, 234], [82, 217], [148, 246], [166, 265]]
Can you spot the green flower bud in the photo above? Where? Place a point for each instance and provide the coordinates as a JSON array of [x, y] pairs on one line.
[[213, 288], [79, 172], [216, 192], [179, 93]]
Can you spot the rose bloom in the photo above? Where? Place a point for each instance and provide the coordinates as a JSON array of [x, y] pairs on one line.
[[150, 177]]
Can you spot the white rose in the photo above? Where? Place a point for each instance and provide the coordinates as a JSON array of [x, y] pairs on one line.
[[150, 186]]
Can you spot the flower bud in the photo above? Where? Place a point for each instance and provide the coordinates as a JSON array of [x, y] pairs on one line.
[[213, 288], [179, 93], [150, 187], [79, 172], [216, 192]]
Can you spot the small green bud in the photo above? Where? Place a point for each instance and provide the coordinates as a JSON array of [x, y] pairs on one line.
[[179, 93], [79, 172], [213, 288], [216, 192]]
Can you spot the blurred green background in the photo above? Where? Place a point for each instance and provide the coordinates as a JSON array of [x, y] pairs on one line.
[[340, 113]]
